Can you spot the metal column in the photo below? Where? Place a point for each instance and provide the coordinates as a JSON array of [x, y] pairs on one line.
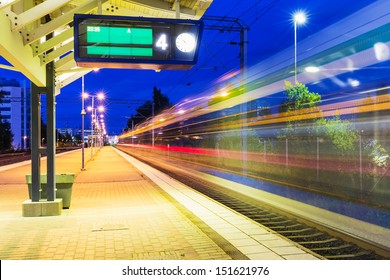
[[35, 143], [244, 104], [36, 149], [51, 132]]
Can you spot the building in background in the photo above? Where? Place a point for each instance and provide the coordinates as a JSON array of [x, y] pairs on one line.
[[15, 108], [65, 131]]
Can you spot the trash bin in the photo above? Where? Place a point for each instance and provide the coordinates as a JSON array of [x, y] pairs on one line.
[[64, 183]]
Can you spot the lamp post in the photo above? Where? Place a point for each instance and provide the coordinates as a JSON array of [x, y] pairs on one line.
[[100, 124], [92, 109], [298, 18], [83, 96]]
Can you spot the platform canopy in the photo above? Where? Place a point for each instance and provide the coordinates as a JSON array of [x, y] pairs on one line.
[[30, 28]]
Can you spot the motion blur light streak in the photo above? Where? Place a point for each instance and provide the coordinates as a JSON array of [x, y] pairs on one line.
[[302, 161], [337, 146], [382, 51], [342, 108], [312, 69], [334, 61]]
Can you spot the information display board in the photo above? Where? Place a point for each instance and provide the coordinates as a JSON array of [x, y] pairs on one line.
[[136, 42]]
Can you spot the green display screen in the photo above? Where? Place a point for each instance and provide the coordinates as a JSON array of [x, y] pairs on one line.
[[117, 36], [119, 51]]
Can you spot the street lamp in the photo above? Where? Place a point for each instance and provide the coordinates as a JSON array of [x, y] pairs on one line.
[[299, 18], [84, 95], [93, 110], [100, 109]]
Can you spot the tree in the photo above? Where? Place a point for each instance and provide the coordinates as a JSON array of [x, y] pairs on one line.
[[77, 138], [340, 132], [299, 107], [305, 118], [160, 102], [299, 97], [6, 135]]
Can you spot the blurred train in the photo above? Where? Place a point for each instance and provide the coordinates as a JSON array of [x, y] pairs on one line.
[[243, 125]]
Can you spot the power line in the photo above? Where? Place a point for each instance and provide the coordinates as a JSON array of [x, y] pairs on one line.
[[266, 9], [224, 25]]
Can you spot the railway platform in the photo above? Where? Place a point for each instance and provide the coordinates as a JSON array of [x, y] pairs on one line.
[[122, 209]]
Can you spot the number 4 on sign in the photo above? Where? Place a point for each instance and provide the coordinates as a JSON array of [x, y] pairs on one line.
[[162, 42]]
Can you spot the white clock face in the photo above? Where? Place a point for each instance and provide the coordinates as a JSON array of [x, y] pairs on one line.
[[185, 42]]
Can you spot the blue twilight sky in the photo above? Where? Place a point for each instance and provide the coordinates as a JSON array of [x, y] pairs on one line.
[[271, 30]]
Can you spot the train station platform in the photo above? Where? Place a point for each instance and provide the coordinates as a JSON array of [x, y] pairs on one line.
[[122, 209]]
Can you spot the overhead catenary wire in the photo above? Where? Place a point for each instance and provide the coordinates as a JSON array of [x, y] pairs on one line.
[[253, 17]]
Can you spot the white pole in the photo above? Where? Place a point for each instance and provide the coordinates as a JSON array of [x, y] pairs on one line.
[[92, 126], [299, 18], [82, 122], [295, 50], [153, 124]]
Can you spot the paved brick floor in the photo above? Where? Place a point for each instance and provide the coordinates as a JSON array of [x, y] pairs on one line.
[[115, 213], [122, 209]]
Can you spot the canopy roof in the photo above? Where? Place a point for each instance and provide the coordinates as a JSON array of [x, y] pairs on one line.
[[25, 24]]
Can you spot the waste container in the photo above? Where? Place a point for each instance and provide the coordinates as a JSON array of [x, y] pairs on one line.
[[64, 183]]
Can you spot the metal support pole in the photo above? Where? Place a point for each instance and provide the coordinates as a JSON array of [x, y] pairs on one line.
[[318, 158], [360, 165], [35, 143], [92, 126], [295, 51], [286, 152], [51, 132], [244, 104], [99, 4], [82, 124], [177, 5], [153, 123]]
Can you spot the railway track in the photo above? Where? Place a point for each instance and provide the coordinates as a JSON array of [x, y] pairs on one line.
[[328, 243], [10, 158]]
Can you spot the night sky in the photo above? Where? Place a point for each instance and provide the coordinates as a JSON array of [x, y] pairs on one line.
[[271, 30]]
